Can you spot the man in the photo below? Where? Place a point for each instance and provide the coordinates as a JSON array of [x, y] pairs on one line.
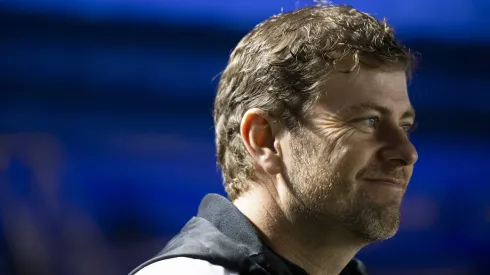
[[312, 117]]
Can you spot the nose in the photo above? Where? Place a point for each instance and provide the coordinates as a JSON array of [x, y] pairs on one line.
[[398, 149]]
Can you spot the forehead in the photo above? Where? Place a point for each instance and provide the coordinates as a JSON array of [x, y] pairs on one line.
[[384, 88]]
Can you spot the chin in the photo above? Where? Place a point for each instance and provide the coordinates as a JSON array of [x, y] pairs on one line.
[[377, 223], [376, 236], [389, 234], [381, 231]]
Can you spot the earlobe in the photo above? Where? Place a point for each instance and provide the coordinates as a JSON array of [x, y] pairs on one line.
[[259, 140]]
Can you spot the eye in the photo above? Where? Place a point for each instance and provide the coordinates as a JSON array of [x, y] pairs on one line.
[[372, 122], [409, 128], [367, 124]]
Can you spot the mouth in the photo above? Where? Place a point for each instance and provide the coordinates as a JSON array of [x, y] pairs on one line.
[[389, 182]]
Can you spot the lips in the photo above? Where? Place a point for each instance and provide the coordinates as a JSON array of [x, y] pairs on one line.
[[377, 175], [395, 182]]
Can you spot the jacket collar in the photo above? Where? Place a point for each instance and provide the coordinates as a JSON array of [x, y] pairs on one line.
[[230, 221]]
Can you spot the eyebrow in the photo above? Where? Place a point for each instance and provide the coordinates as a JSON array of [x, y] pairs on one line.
[[410, 113]]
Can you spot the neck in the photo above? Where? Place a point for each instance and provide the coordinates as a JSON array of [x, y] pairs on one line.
[[318, 249]]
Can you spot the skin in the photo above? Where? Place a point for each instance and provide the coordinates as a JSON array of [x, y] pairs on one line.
[[336, 185]]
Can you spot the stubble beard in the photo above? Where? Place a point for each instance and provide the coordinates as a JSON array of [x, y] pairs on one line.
[[327, 197]]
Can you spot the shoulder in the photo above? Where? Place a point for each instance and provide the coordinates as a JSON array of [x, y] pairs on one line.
[[184, 266]]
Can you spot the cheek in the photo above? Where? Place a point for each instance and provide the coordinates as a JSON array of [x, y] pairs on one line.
[[337, 143], [409, 171], [337, 149], [349, 155]]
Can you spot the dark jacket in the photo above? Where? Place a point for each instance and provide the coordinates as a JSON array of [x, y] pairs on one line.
[[222, 235]]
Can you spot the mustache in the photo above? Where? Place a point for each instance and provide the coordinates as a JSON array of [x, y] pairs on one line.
[[376, 171]]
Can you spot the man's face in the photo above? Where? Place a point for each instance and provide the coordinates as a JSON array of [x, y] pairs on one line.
[[352, 163]]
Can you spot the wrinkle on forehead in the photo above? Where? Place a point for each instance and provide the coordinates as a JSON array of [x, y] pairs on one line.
[[365, 85]]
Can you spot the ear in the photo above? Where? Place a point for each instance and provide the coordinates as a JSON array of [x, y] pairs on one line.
[[259, 133]]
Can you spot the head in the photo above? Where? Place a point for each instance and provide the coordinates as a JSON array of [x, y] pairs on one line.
[[315, 102]]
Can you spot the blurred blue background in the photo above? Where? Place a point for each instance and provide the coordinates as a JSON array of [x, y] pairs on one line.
[[106, 134]]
